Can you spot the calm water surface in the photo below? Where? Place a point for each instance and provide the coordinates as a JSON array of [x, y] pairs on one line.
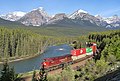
[[30, 64]]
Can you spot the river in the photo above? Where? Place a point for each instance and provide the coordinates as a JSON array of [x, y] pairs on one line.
[[35, 63]]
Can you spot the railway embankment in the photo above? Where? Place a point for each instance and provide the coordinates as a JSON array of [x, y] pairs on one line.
[[57, 71]]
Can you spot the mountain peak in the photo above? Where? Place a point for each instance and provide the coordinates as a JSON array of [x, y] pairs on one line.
[[36, 17], [115, 17], [81, 11], [78, 13], [41, 11], [99, 17], [39, 8]]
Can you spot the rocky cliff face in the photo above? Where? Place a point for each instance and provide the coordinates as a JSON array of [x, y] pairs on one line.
[[84, 15], [36, 17], [56, 18]]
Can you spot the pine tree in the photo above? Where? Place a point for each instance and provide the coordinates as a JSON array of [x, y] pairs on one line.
[[8, 74], [6, 50], [5, 73], [43, 74], [34, 76]]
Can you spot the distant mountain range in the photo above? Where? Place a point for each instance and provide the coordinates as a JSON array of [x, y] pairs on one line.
[[39, 17], [7, 23], [13, 16]]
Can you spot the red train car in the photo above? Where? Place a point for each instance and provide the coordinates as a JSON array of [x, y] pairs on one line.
[[54, 61], [75, 56], [82, 50], [77, 52], [80, 54]]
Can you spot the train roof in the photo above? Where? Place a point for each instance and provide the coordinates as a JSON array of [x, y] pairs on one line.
[[57, 57]]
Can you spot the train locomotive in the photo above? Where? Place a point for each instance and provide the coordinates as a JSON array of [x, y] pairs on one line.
[[75, 56]]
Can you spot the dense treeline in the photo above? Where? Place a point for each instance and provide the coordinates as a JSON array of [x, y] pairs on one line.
[[19, 42], [106, 61], [108, 43]]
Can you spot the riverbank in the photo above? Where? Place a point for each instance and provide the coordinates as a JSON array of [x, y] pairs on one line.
[[16, 59], [34, 63], [20, 58]]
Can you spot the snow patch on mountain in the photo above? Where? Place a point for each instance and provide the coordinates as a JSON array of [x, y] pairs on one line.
[[112, 19], [19, 13], [113, 22], [36, 17], [42, 11], [77, 13], [99, 17], [39, 8], [82, 11], [13, 16]]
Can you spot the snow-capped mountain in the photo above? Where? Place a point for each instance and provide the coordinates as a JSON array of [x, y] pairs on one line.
[[36, 17], [39, 17], [13, 16], [113, 21], [85, 16], [77, 14], [42, 12]]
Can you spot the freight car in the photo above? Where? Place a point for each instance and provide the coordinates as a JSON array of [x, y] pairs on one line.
[[76, 56]]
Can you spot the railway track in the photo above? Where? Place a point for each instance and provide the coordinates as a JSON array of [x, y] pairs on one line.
[[79, 62]]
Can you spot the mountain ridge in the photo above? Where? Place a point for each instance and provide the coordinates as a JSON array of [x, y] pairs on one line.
[[13, 16], [39, 17]]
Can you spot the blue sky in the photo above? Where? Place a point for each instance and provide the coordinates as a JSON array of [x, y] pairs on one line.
[[105, 8]]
